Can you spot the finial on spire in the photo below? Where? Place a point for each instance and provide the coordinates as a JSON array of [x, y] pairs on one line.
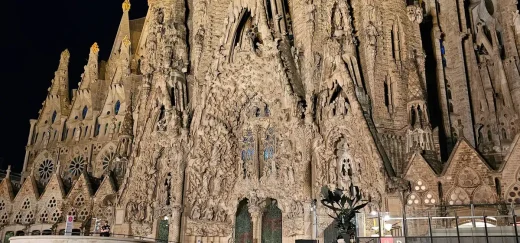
[[126, 6], [8, 171], [126, 41], [95, 48], [65, 55]]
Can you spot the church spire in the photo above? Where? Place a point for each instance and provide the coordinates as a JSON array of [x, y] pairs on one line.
[[91, 73], [60, 83]]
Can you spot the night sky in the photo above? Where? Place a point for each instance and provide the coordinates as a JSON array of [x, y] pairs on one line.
[[34, 33]]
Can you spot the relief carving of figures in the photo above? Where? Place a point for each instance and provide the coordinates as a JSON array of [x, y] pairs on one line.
[[415, 13]]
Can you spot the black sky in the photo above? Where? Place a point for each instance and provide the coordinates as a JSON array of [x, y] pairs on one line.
[[33, 34]]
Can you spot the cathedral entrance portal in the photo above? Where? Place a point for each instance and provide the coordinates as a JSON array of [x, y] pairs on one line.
[[243, 224], [272, 223]]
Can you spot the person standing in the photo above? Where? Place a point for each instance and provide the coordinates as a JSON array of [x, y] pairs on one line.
[[105, 230]]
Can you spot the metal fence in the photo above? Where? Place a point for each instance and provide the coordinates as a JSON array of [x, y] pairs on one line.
[[493, 223]]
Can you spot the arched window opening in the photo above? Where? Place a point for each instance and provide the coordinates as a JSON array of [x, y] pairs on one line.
[[439, 190], [106, 128], [35, 232], [387, 96], [448, 94], [54, 114], [490, 136], [47, 232], [84, 113], [96, 132], [86, 131], [162, 113], [117, 106], [20, 233], [450, 107], [245, 34], [504, 133], [413, 116]]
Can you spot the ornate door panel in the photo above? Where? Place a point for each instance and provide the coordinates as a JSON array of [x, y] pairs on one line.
[[243, 225], [272, 224]]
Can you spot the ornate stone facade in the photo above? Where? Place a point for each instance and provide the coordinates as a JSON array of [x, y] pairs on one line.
[[227, 119]]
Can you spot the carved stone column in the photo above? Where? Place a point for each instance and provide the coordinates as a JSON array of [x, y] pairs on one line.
[[174, 226], [256, 218]]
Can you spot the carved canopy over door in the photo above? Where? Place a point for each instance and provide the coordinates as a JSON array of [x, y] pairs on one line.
[[243, 224], [272, 223]]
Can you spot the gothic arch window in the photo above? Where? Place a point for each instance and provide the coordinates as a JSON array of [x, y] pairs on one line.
[[77, 165], [504, 133], [54, 114], [4, 218], [2, 205], [56, 216], [413, 199], [430, 198], [272, 223], [52, 203], [29, 217], [79, 201], [468, 178], [248, 151], [419, 185], [44, 217], [105, 159], [269, 146], [18, 218], [84, 112], [26, 204], [83, 214], [484, 195], [117, 106], [45, 170], [458, 196]]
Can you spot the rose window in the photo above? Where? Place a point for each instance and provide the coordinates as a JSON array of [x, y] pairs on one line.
[[514, 194], [459, 197], [413, 200], [26, 204], [45, 170], [108, 158], [4, 218], [52, 203], [77, 165]]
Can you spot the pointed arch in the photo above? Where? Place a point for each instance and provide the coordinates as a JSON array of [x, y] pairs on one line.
[[243, 224], [468, 178], [272, 223], [458, 196], [117, 106], [413, 200], [84, 112], [484, 195], [430, 198], [105, 159]]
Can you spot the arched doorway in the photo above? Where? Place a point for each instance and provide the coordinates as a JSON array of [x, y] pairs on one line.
[[8, 236], [243, 224], [20, 233], [272, 223], [163, 230]]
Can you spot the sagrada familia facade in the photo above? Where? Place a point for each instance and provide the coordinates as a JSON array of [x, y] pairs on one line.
[[219, 120]]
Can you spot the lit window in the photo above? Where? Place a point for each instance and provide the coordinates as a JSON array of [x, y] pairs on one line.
[[116, 107], [85, 111]]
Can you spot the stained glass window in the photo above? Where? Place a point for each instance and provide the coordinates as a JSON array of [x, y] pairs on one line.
[[45, 170], [117, 106], [77, 165], [248, 150], [84, 113], [269, 144], [54, 114]]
